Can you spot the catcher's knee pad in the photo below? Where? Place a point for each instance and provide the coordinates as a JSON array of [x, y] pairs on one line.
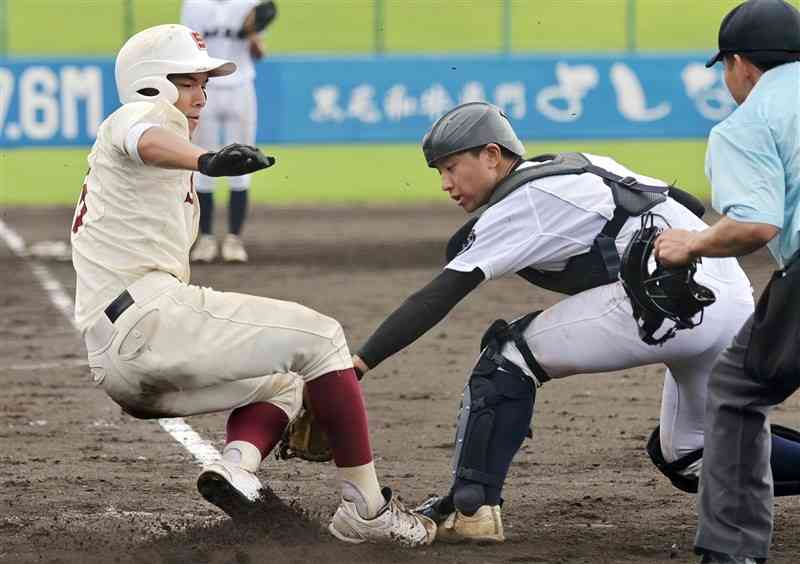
[[494, 419], [284, 391], [684, 473]]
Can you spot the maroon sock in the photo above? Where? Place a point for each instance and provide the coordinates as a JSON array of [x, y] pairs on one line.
[[338, 405], [261, 424]]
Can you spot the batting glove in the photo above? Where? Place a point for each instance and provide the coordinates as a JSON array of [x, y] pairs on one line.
[[234, 160]]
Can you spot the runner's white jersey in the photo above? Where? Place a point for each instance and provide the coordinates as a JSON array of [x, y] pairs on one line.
[[131, 218], [219, 21], [548, 221]]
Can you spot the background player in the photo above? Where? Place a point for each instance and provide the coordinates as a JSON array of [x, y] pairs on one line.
[[161, 347], [538, 230], [232, 30]]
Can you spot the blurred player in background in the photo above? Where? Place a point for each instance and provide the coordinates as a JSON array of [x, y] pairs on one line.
[[232, 30]]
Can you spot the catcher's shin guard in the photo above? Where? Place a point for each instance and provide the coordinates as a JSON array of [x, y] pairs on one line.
[[684, 473], [494, 419]]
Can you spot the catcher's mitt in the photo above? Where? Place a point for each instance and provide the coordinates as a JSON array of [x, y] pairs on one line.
[[304, 438]]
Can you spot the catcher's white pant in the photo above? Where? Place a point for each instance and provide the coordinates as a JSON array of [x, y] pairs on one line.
[[184, 350], [594, 331], [229, 117]]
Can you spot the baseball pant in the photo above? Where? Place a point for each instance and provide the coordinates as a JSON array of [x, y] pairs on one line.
[[185, 350], [735, 504], [594, 331], [229, 117]]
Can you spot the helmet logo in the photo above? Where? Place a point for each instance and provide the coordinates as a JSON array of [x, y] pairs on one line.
[[198, 38]]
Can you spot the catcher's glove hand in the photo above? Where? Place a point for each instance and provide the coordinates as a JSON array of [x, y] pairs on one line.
[[304, 438], [233, 160]]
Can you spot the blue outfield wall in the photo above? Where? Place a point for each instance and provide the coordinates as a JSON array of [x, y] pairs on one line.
[[58, 102]]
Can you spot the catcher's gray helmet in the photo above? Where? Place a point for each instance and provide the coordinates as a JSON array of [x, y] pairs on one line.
[[468, 126]]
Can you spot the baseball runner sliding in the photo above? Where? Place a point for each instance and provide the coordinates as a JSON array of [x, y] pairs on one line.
[[162, 347]]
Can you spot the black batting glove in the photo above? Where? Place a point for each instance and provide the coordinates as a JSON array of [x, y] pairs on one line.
[[234, 160]]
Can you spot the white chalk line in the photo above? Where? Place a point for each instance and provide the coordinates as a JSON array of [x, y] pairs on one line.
[[46, 365], [203, 451]]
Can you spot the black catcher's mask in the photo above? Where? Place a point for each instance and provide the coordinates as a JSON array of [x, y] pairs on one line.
[[663, 293]]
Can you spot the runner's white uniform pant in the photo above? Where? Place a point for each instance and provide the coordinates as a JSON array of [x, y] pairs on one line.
[[594, 331], [185, 350]]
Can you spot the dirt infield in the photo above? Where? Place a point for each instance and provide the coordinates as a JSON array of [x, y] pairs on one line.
[[81, 482]]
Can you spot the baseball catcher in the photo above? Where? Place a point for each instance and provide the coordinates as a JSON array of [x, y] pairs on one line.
[[561, 222]]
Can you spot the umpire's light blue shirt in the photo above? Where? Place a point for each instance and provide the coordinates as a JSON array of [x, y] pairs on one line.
[[753, 159]]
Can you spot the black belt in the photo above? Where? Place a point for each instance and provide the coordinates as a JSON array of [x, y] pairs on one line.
[[118, 306]]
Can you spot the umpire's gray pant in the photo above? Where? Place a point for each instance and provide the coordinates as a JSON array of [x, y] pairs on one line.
[[735, 503]]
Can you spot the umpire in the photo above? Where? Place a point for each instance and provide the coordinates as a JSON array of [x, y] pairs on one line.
[[753, 165]]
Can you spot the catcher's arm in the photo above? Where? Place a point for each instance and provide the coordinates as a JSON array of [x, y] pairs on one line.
[[359, 366], [419, 313]]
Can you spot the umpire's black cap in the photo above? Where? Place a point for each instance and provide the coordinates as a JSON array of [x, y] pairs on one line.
[[769, 27]]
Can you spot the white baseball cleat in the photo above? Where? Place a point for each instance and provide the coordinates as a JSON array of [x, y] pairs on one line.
[[205, 249], [230, 487], [486, 525], [233, 249], [393, 524]]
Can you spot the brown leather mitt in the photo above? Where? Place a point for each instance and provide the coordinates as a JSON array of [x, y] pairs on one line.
[[304, 438]]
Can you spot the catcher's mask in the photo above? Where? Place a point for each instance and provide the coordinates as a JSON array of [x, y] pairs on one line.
[[659, 293]]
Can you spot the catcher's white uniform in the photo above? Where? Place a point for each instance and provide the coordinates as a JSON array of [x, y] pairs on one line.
[[550, 220], [177, 349], [231, 111]]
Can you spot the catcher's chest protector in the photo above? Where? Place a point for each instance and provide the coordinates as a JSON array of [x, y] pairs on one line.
[[601, 264]]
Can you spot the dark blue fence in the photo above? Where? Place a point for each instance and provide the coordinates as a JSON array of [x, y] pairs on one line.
[[51, 102]]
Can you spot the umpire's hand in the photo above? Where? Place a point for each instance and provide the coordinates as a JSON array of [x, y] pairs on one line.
[[234, 160], [673, 248]]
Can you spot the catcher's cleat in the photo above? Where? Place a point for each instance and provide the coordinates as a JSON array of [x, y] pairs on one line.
[[393, 524], [231, 488], [437, 508], [486, 525], [205, 249], [233, 249], [713, 557]]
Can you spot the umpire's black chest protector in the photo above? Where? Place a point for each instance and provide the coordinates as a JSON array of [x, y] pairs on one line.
[[601, 264]]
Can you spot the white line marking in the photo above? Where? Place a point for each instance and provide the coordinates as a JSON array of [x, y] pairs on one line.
[[12, 240], [47, 365], [201, 449]]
